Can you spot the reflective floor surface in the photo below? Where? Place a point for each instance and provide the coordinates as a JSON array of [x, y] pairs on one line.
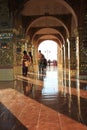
[[42, 102]]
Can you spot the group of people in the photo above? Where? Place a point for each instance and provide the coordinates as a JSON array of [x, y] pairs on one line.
[[27, 59]]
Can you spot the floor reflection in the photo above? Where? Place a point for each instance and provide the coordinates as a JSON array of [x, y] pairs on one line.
[[48, 89], [27, 88], [52, 94]]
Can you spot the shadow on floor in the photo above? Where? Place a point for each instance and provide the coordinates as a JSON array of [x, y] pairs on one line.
[[8, 121]]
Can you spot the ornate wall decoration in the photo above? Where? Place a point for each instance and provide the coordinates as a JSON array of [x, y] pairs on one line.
[[83, 48], [18, 53], [6, 49], [4, 14]]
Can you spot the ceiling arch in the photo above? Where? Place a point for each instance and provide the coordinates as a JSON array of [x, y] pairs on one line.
[[38, 7], [49, 14], [47, 21], [48, 36]]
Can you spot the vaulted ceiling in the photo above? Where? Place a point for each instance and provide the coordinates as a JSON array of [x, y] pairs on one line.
[[46, 19]]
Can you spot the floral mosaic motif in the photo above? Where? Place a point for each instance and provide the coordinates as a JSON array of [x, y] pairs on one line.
[[6, 55], [18, 59], [18, 53]]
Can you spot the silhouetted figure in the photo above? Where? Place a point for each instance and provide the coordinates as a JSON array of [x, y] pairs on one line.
[[40, 61], [49, 62]]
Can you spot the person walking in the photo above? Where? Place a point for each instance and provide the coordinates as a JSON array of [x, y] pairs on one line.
[[40, 61]]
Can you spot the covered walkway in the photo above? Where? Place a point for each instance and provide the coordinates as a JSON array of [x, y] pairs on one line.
[[56, 99]]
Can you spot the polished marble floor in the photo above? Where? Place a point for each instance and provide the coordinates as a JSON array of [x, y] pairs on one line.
[[43, 102]]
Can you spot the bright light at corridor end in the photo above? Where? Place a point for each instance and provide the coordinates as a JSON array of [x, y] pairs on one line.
[[49, 49]]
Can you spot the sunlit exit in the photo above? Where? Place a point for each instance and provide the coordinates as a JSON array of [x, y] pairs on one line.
[[49, 49]]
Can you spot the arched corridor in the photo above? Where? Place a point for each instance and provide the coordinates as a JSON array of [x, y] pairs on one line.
[[34, 96]]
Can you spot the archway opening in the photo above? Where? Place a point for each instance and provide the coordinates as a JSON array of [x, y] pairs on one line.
[[49, 49]]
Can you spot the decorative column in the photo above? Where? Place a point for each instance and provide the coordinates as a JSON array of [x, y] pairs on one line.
[[64, 69], [72, 56], [83, 49], [77, 57], [6, 55], [69, 70], [6, 44]]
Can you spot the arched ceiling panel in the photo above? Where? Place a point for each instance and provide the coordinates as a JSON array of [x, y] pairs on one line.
[[47, 30], [48, 37], [45, 21], [53, 7], [54, 35], [48, 21], [35, 7]]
